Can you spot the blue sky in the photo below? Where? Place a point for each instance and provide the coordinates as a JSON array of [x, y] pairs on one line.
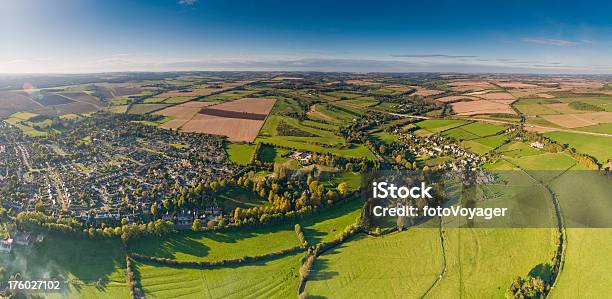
[[404, 36]]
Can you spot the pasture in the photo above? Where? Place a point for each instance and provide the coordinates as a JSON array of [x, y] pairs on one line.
[[240, 153], [328, 224], [599, 147], [212, 246], [277, 278], [91, 268], [402, 264], [474, 258]]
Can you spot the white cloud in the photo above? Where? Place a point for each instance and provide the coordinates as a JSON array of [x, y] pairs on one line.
[[551, 42], [187, 2]]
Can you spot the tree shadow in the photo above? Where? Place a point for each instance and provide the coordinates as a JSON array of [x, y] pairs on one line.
[[77, 262], [543, 271]]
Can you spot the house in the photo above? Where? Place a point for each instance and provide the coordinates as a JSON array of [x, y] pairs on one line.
[[537, 144], [6, 246]]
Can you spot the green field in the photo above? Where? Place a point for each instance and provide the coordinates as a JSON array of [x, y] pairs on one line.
[[323, 140], [439, 125], [459, 134], [240, 153], [401, 265], [386, 138], [482, 262], [585, 196], [481, 129], [277, 278], [332, 114], [327, 225], [601, 128], [211, 246], [92, 268], [229, 96], [178, 100], [361, 101], [599, 147], [518, 149]]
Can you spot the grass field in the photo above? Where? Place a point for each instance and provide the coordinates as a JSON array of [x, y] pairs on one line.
[[439, 125], [324, 140], [481, 263], [91, 268], [240, 153], [601, 128], [518, 149], [459, 134], [483, 129], [277, 278], [585, 198], [402, 265], [599, 147], [325, 226], [212, 246]]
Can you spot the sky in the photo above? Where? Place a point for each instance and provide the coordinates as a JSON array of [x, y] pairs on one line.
[[80, 36]]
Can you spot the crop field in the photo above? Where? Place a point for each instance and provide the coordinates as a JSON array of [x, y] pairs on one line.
[[233, 119], [48, 99], [235, 129], [145, 108], [115, 90], [459, 98], [11, 102], [83, 97], [277, 278], [181, 114], [481, 107], [211, 246], [363, 266], [603, 128], [579, 119], [599, 147], [92, 268], [72, 108], [240, 153]]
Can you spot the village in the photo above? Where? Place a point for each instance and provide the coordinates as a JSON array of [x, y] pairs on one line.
[[105, 169]]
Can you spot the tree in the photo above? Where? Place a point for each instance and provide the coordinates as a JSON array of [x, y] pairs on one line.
[[197, 225], [342, 188], [154, 210], [237, 214]]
